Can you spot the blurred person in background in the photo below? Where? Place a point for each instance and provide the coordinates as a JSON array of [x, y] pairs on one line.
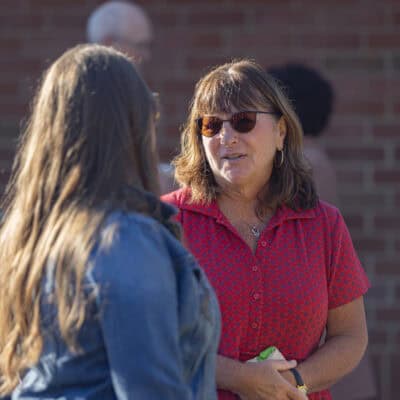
[[99, 300], [126, 26], [280, 260], [312, 97]]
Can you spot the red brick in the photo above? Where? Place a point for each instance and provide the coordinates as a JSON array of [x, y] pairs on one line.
[[70, 22], [386, 314], [172, 131], [396, 107], [384, 40], [361, 64], [175, 85], [354, 221], [344, 130], [12, 4], [60, 6], [21, 22], [347, 15], [366, 107], [351, 200], [164, 17], [377, 292], [172, 38], [386, 130], [390, 176], [347, 85], [333, 40], [396, 18], [207, 40], [13, 109], [357, 154], [377, 336], [395, 375], [388, 267], [184, 2], [202, 64], [7, 89], [396, 62], [368, 244], [355, 177], [397, 153], [397, 200], [11, 44], [13, 68], [274, 17], [380, 86], [387, 222], [216, 18], [252, 40]]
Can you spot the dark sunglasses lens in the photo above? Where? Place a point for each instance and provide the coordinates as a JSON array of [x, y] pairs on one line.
[[244, 122], [210, 126]]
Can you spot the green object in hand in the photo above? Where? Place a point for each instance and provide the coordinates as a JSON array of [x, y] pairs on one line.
[[266, 353], [270, 353]]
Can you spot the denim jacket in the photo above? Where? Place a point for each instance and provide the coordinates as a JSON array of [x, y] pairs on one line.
[[151, 333]]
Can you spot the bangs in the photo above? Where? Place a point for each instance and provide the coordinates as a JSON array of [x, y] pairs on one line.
[[225, 92]]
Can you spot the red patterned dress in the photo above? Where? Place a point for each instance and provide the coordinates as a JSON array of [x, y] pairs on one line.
[[304, 265]]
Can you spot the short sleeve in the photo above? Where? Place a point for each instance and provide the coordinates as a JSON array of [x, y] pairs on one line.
[[347, 279]]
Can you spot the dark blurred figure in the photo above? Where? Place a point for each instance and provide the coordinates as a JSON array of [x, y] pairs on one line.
[[127, 27], [312, 97]]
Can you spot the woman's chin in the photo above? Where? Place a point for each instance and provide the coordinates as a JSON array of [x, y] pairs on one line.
[[234, 180]]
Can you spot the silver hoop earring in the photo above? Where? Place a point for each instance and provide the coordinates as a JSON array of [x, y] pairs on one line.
[[281, 152]]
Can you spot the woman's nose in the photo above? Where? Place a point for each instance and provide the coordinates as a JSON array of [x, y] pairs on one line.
[[227, 134]]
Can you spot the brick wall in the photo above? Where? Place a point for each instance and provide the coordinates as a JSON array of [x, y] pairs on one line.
[[356, 43]]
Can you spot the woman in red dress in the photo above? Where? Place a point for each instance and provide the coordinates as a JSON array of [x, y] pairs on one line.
[[281, 261]]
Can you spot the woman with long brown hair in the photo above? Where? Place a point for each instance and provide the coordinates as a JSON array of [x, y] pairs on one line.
[[281, 262], [98, 298]]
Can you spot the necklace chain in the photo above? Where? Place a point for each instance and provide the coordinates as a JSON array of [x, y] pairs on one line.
[[255, 231]]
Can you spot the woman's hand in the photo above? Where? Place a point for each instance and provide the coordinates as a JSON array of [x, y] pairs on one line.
[[265, 382], [260, 380]]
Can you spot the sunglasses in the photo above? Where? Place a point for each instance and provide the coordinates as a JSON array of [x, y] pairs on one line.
[[242, 122]]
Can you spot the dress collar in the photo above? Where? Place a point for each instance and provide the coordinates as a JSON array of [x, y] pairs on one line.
[[283, 213]]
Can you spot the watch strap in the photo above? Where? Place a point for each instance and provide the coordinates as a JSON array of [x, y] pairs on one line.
[[299, 380]]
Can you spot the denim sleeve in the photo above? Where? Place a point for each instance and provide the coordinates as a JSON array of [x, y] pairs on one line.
[[139, 314]]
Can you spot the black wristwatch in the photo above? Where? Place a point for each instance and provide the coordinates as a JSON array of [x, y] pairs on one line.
[[299, 381]]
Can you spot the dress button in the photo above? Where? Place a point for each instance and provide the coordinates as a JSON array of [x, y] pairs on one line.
[[264, 243], [254, 325], [256, 296], [254, 268]]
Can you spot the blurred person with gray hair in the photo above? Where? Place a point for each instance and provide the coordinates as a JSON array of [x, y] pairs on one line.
[[126, 26], [122, 25]]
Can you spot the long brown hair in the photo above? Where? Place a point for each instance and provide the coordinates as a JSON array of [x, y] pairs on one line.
[[89, 138], [244, 85]]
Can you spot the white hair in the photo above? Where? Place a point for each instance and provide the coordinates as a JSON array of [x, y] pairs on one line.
[[111, 19]]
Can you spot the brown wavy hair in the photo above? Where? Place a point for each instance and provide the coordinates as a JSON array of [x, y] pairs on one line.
[[89, 139], [244, 85]]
